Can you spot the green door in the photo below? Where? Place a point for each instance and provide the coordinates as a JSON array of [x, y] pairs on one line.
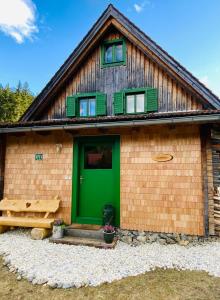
[[98, 177]]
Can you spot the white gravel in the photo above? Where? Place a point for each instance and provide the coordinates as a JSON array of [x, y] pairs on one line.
[[66, 266]]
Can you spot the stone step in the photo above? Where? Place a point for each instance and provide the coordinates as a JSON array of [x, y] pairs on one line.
[[85, 226], [84, 233], [80, 241]]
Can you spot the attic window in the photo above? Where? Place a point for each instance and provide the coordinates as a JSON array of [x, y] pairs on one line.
[[87, 107], [135, 103], [113, 53]]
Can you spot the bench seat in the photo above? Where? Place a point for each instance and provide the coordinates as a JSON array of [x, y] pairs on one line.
[[26, 222], [42, 225]]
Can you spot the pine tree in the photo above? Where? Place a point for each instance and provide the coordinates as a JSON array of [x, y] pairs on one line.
[[14, 102]]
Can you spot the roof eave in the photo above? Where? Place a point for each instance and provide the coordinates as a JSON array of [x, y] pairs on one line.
[[198, 119]]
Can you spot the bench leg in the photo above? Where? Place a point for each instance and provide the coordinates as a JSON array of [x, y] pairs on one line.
[[4, 228], [40, 233]]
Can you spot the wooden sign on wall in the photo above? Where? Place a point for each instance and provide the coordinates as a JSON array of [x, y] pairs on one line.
[[162, 157]]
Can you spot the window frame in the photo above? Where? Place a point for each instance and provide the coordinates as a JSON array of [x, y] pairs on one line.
[[73, 106], [85, 166], [113, 43], [87, 106], [81, 96], [135, 99], [134, 92]]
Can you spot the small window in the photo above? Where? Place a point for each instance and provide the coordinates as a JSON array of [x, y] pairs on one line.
[[113, 53], [108, 54], [98, 157], [118, 52], [87, 107], [135, 103], [136, 100]]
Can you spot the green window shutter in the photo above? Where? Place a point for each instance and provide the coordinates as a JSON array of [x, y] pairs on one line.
[[71, 106], [101, 104], [119, 103], [151, 100]]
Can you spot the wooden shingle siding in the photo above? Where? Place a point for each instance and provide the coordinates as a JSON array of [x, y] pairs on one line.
[[139, 71], [155, 196], [28, 179], [162, 196]]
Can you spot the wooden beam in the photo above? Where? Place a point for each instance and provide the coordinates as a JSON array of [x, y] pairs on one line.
[[40, 233], [43, 132], [72, 131], [18, 134], [2, 163], [204, 135], [103, 130]]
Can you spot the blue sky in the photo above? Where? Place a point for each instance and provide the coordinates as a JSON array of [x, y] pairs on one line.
[[36, 36]]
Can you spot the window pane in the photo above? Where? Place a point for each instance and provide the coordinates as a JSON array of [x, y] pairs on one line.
[[83, 107], [91, 107], [98, 157], [130, 104], [108, 54], [140, 103], [118, 52]]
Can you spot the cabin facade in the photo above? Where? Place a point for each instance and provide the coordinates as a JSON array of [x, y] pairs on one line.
[[121, 122]]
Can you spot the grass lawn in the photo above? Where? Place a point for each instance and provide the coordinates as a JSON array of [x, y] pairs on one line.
[[158, 285]]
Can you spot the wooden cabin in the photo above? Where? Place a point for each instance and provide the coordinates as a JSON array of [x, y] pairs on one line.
[[121, 123]]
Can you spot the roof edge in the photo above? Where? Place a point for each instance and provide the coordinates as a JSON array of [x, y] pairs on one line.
[[199, 119]]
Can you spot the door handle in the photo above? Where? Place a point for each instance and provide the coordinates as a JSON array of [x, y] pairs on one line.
[[81, 179]]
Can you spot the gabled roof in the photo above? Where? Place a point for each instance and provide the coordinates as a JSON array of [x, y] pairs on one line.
[[160, 56]]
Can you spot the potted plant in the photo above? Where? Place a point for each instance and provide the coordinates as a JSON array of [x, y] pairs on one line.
[[108, 214], [109, 233], [58, 229]]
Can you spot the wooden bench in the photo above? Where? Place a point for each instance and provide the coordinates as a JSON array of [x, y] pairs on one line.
[[41, 225]]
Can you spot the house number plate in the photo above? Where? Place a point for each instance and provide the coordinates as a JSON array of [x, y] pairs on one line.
[[38, 156]]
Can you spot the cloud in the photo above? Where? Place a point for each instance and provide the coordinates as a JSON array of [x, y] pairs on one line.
[[18, 19], [205, 80], [139, 7], [211, 83]]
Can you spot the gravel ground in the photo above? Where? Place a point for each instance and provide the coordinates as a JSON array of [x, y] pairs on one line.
[[66, 266]]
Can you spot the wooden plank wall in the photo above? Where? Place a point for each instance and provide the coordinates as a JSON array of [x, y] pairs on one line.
[[139, 71], [215, 144], [216, 156], [209, 175], [207, 172], [2, 164]]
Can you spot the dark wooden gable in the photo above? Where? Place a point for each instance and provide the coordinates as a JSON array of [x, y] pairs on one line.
[[139, 71], [143, 69]]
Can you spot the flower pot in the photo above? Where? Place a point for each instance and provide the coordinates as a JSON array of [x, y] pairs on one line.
[[109, 237], [58, 232]]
